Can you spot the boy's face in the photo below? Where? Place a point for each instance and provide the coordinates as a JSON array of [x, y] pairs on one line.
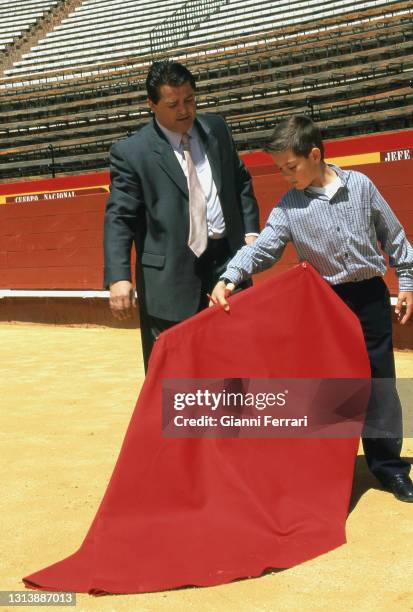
[[299, 171]]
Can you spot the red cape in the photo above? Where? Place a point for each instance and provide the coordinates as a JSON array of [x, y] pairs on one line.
[[207, 511]]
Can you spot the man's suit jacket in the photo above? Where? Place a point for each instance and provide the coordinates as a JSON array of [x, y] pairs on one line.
[[148, 204]]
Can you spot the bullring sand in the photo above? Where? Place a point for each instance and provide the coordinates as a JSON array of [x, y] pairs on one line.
[[67, 395]]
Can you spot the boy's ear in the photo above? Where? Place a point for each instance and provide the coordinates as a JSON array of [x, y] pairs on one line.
[[315, 154]]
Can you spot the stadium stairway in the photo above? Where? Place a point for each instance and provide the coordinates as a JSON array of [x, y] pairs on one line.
[[44, 25]]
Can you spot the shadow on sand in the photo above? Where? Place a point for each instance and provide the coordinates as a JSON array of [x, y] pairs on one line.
[[364, 480]]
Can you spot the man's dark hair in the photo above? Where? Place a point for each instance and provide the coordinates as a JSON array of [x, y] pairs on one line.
[[299, 134], [169, 73]]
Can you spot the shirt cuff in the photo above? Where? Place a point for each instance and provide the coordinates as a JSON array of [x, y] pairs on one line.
[[231, 278], [405, 284]]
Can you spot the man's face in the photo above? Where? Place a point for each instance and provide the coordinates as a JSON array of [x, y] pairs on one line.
[[298, 170], [176, 107]]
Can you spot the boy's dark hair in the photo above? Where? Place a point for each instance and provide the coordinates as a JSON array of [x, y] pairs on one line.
[[169, 73], [299, 134]]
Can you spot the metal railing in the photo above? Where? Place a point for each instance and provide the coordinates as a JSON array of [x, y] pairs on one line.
[[178, 25]]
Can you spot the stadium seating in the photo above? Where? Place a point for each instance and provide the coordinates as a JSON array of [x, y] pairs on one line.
[[98, 30], [353, 72], [25, 13], [240, 17], [103, 30]]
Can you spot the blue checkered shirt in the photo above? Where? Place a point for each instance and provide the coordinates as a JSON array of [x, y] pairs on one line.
[[339, 237]]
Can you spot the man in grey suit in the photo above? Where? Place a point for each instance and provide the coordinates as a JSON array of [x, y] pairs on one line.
[[179, 192]]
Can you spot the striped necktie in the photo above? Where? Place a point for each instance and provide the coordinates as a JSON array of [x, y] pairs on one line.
[[198, 233]]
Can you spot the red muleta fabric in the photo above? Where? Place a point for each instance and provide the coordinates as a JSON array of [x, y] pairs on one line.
[[203, 512]]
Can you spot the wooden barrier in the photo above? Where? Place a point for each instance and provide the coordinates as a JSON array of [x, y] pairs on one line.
[[56, 243]]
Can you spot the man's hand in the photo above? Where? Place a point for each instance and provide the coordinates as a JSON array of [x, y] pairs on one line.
[[404, 303], [250, 239], [219, 294], [122, 299]]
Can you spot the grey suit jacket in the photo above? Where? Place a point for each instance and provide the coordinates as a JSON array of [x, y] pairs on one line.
[[148, 205]]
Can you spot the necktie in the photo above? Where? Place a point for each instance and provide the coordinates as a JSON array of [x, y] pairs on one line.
[[198, 233]]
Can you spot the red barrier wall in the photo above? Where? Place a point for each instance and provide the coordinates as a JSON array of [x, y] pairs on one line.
[[59, 183], [57, 244], [52, 245]]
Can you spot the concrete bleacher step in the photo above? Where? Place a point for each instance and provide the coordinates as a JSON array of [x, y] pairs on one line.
[[44, 25], [15, 23], [84, 53]]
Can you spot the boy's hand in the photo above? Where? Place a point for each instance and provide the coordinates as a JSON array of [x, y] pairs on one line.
[[404, 303], [250, 239], [219, 294]]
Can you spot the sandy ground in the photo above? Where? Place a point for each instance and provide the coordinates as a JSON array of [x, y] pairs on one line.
[[67, 395]]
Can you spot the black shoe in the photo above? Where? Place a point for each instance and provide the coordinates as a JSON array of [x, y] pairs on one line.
[[401, 486]]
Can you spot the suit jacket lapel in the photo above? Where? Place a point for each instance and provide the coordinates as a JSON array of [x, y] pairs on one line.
[[166, 158], [211, 146]]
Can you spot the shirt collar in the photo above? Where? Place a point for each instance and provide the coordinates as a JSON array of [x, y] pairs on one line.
[[175, 138], [342, 175]]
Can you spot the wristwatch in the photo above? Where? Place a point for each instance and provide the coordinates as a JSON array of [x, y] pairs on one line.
[[225, 280]]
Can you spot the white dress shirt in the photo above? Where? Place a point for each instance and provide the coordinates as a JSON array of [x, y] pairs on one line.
[[215, 217]]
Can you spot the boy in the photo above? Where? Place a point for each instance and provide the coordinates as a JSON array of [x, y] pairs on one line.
[[335, 219]]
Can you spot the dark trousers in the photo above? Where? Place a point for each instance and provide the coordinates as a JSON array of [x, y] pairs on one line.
[[370, 301], [209, 267]]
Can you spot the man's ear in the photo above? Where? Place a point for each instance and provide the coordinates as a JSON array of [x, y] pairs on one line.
[[151, 105]]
